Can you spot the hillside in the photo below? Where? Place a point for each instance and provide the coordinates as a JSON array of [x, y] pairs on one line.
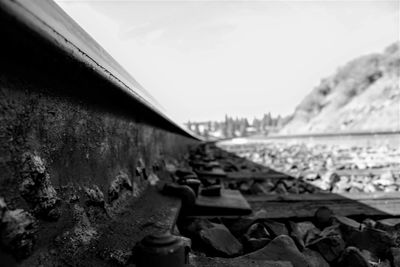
[[363, 95]]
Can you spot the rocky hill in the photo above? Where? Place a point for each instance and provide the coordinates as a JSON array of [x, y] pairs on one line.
[[363, 95]]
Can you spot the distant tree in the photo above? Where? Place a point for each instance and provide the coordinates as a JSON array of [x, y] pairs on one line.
[[189, 125], [197, 129], [243, 127]]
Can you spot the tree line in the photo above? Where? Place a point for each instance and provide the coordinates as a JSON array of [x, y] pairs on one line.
[[237, 127]]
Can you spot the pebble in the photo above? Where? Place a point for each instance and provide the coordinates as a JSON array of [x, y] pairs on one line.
[[329, 240], [318, 164]]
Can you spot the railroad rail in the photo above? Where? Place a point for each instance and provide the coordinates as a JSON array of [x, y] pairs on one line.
[[81, 142]]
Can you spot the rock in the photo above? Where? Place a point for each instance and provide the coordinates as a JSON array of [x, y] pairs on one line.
[[311, 176], [385, 179], [352, 257], [330, 244], [257, 188], [288, 182], [390, 188], [333, 179], [275, 228], [282, 248], [294, 189], [312, 234], [304, 227], [369, 223], [153, 179], [391, 224], [314, 259], [36, 187], [302, 233], [280, 189], [261, 214], [268, 185], [220, 241], [17, 230], [374, 240], [252, 244], [244, 188], [311, 188], [297, 235], [347, 224], [323, 217], [238, 226], [370, 188], [341, 186], [372, 259], [258, 230], [191, 227]]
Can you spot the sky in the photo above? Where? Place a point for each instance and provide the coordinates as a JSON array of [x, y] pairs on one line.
[[203, 59]]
